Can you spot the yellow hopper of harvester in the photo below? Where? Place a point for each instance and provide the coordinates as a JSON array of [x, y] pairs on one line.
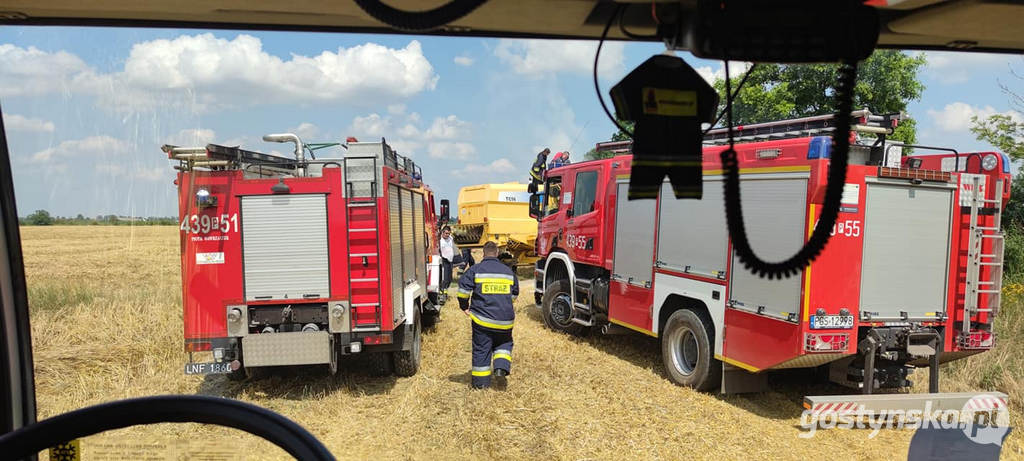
[[498, 213]]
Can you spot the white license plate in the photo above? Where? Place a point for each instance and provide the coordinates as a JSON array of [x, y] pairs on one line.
[[212, 368], [821, 322]]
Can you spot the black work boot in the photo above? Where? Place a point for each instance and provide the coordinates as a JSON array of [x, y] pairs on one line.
[[500, 379]]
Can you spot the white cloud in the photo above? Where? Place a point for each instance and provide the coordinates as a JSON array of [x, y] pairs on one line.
[[409, 131], [153, 174], [538, 58], [396, 109], [30, 71], [453, 150], [736, 69], [306, 131], [499, 166], [204, 72], [93, 146], [372, 125], [446, 137], [957, 116], [192, 137], [449, 127], [15, 122], [709, 74], [465, 61], [951, 67]]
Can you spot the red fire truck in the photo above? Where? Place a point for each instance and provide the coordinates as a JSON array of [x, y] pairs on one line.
[[910, 278], [297, 261]]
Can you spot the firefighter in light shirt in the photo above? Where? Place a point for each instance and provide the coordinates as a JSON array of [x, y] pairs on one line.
[[486, 292]]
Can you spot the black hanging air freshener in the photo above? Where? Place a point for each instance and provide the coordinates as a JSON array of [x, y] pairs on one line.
[[668, 100]]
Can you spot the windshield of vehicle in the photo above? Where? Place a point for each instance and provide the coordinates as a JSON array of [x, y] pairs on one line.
[[251, 215]]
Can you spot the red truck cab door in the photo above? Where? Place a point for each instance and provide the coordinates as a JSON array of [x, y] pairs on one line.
[[582, 213], [552, 216]]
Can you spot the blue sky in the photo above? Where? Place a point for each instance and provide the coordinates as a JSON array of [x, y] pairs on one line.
[[86, 110]]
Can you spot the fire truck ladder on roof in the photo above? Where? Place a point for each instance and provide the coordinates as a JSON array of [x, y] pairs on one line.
[[361, 186], [977, 260], [863, 122]]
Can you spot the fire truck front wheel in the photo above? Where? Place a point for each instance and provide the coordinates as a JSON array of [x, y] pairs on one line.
[[686, 350], [557, 309]]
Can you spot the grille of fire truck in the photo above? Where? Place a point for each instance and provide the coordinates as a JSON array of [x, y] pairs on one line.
[[363, 243], [864, 122], [984, 276]]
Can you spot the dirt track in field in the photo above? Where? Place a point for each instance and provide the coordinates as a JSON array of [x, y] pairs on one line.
[[106, 324]]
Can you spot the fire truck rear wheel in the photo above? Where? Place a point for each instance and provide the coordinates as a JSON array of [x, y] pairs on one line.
[[687, 351], [407, 363], [556, 308]]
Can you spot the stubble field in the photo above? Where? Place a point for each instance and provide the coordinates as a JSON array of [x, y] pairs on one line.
[[107, 324]]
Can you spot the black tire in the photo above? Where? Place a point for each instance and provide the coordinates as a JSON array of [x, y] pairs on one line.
[[556, 308], [378, 363], [687, 351], [407, 363]]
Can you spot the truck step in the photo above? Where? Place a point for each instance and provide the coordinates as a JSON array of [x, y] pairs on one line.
[[586, 323], [582, 307], [369, 229]]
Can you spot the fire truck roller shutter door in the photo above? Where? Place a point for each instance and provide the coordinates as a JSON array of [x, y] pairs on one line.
[[906, 250], [634, 238], [284, 246], [408, 237], [421, 237], [775, 210], [693, 236], [395, 240]]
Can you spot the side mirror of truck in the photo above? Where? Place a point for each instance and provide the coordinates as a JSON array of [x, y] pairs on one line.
[[535, 206], [445, 212]]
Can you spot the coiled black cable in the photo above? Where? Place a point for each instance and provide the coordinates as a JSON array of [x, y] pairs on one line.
[[416, 21], [833, 191]]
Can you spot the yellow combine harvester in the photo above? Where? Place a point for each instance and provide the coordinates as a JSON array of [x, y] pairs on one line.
[[498, 213]]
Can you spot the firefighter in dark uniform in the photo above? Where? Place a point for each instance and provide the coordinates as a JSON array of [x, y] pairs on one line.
[[486, 292]]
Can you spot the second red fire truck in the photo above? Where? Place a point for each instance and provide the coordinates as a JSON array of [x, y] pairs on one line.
[[296, 261], [910, 278]]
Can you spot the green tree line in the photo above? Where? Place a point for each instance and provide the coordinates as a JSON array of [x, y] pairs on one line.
[[44, 218]]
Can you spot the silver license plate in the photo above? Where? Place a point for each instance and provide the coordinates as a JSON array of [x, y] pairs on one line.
[[211, 368], [822, 322]]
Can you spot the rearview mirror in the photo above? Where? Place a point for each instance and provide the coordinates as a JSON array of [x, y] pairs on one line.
[[445, 212], [535, 206]]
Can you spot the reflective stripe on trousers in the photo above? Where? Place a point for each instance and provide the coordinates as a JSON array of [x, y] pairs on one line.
[[491, 323]]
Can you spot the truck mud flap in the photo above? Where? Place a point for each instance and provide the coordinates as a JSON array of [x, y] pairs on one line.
[[292, 348]]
